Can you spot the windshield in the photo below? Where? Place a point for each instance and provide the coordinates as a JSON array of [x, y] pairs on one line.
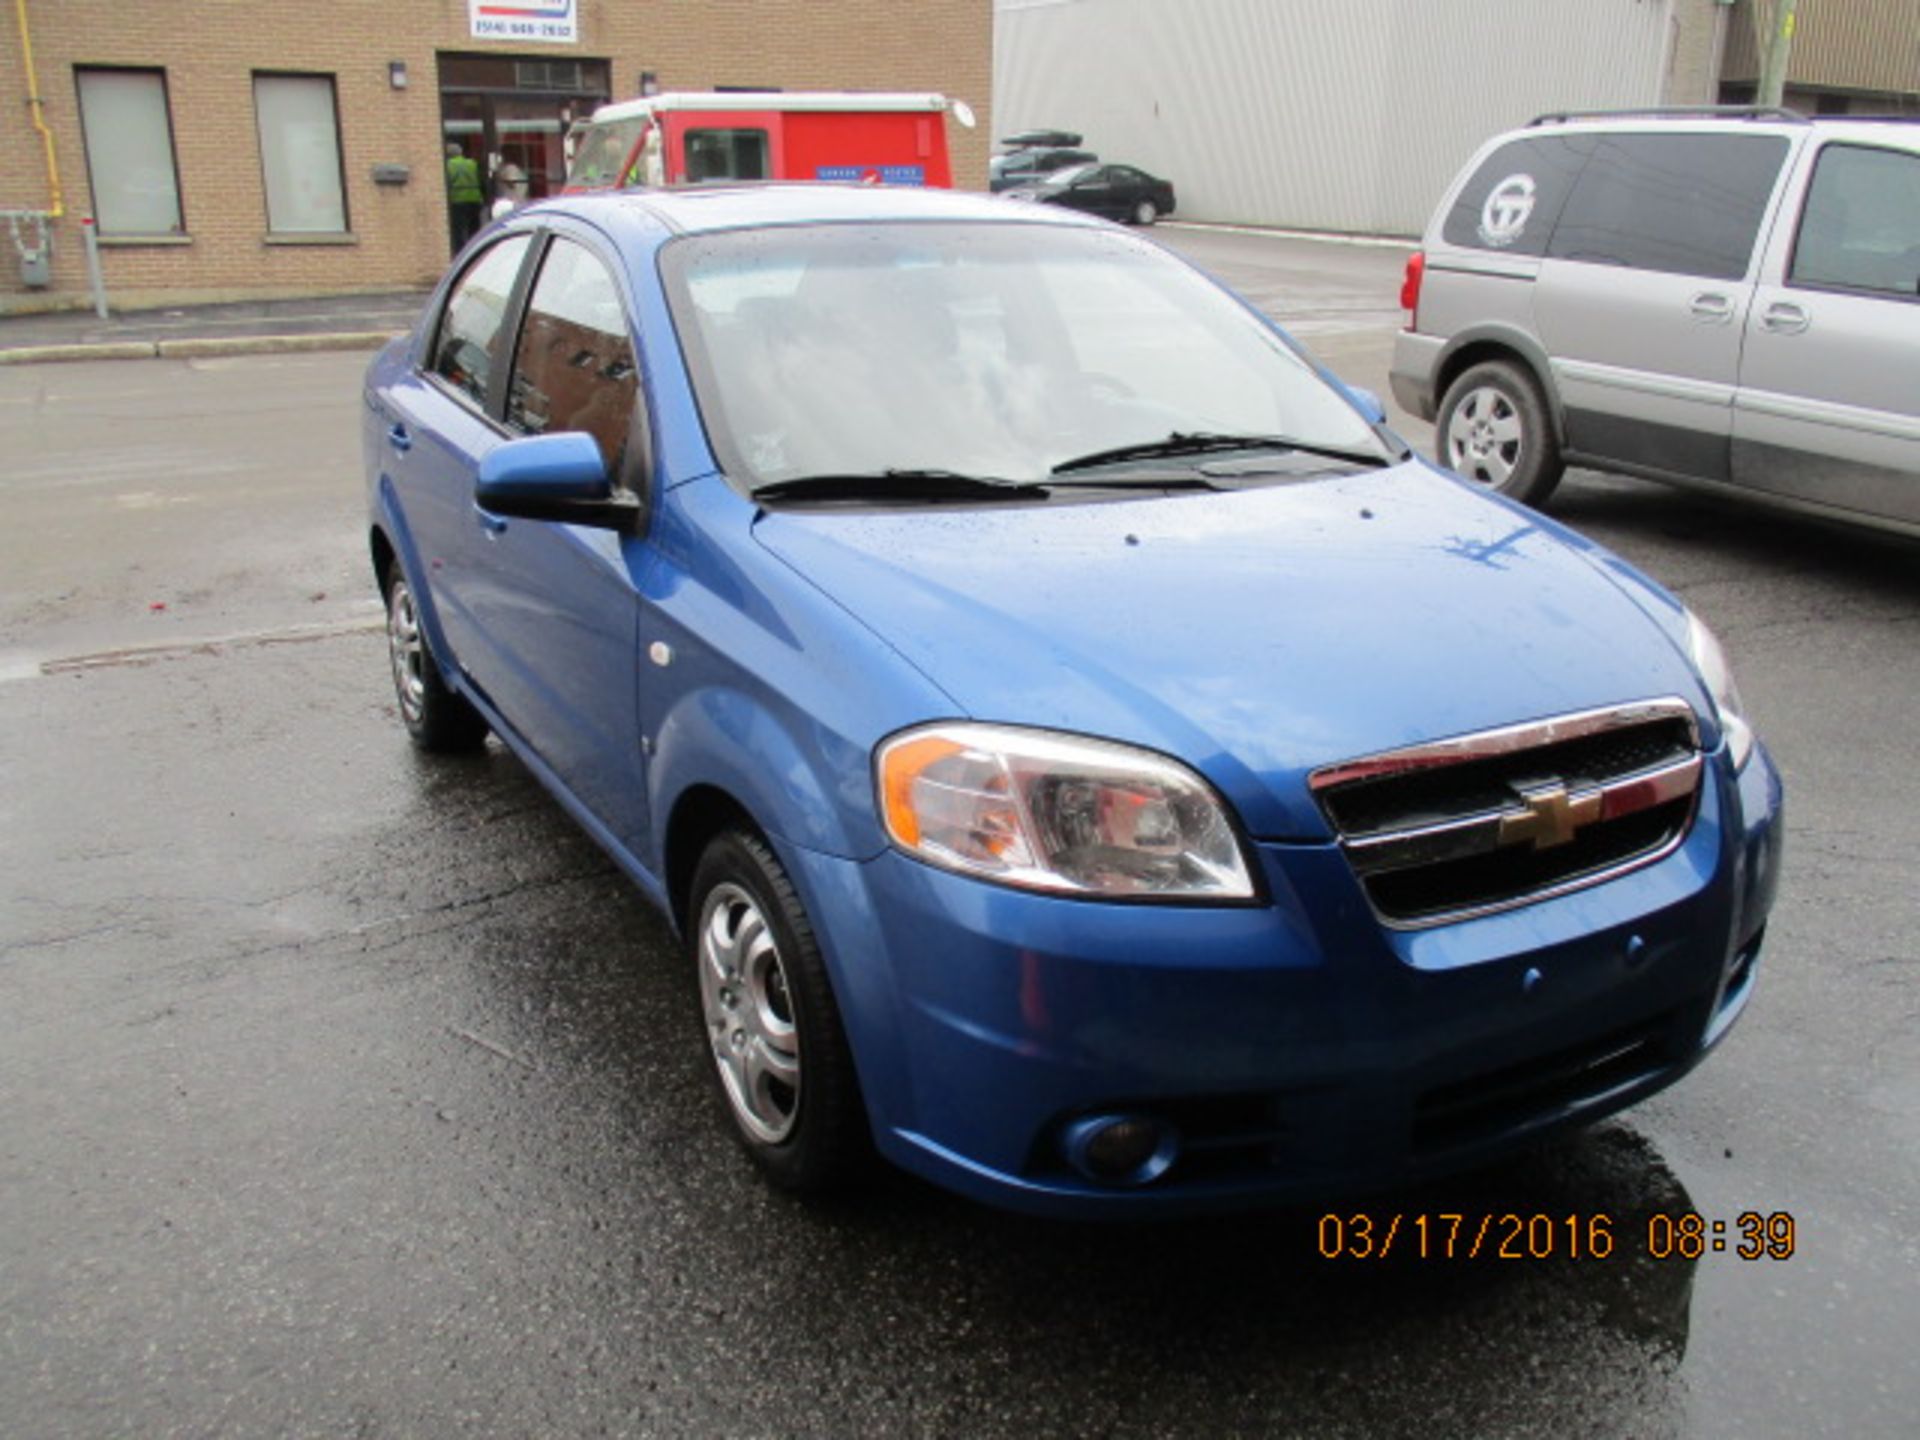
[[602, 150], [981, 349]]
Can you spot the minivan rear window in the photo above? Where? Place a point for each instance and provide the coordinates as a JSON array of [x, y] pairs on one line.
[[1681, 203], [1514, 198]]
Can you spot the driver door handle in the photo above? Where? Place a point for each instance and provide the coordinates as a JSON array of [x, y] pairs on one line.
[[491, 523], [398, 438], [1785, 319]]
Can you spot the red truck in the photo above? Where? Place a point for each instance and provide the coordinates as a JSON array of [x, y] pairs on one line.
[[690, 137]]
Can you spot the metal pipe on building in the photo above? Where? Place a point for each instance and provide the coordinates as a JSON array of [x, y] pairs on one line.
[[38, 106]]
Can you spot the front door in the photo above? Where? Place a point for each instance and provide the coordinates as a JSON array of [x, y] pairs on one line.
[[557, 606], [1828, 409]]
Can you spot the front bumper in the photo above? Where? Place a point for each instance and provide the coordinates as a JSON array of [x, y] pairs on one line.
[[1300, 1048]]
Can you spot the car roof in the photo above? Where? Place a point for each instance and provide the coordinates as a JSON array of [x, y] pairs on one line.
[[705, 208], [1879, 130]]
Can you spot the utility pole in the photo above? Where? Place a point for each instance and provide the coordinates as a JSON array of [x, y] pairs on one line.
[[1773, 26]]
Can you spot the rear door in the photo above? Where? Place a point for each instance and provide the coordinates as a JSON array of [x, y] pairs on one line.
[[439, 423], [1828, 409], [1643, 295]]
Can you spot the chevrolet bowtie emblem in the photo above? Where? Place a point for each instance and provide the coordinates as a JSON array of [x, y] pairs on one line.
[[1552, 815]]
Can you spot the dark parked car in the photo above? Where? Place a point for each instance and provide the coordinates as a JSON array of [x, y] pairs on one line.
[[1031, 167], [1119, 192]]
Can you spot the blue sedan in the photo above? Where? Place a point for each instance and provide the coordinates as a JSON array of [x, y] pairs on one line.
[[1086, 755]]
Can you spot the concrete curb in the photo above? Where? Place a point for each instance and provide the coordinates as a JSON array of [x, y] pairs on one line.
[[193, 349]]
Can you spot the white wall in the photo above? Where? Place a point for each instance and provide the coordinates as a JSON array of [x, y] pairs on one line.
[[1346, 115]]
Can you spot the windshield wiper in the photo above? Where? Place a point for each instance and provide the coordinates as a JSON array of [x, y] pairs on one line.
[[899, 485], [1204, 442]]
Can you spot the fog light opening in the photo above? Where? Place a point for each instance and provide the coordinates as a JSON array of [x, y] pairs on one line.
[[1121, 1149]]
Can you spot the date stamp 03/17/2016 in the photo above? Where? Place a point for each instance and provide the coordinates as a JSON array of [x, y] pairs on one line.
[[1660, 1235]]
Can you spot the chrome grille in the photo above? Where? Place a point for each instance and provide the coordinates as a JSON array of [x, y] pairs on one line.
[[1504, 817]]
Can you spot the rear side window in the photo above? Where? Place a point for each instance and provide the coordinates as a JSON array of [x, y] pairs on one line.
[[1514, 198], [574, 369], [469, 336], [1861, 226], [1677, 203]]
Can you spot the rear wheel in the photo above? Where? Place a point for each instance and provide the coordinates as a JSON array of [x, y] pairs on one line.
[[771, 1024], [1145, 213], [1494, 429], [436, 717]]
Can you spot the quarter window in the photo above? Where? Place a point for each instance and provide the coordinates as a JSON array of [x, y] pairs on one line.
[[574, 369], [1514, 198], [469, 338], [1681, 204], [300, 154], [129, 140], [1861, 226]]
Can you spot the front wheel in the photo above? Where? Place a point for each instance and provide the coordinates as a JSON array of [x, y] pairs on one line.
[[772, 1028], [1145, 213], [1494, 429]]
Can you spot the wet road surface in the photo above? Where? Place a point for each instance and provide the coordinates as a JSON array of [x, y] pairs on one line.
[[347, 1091]]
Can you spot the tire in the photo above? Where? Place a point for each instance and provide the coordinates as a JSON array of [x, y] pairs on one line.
[[769, 1020], [1494, 429], [1145, 212], [436, 718]]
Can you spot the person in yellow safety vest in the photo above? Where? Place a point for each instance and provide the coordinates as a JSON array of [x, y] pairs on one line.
[[463, 194]]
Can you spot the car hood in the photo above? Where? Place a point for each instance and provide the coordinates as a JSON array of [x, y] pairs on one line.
[[1255, 634]]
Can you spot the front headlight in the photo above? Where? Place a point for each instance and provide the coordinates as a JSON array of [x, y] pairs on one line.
[[1054, 812], [1711, 661]]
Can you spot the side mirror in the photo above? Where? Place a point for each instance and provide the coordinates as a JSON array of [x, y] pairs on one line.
[[1368, 403], [553, 477]]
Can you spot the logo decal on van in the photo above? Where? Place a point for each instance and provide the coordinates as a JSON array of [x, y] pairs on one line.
[[1503, 219]]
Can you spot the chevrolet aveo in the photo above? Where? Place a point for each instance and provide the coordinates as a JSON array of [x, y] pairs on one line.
[[1086, 755]]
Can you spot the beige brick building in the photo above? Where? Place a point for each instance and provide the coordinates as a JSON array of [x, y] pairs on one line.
[[253, 148]]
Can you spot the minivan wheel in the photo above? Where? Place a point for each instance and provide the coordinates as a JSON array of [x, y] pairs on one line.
[[1145, 213], [772, 1027], [436, 717], [1495, 430]]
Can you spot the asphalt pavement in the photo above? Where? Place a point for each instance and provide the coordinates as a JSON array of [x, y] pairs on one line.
[[347, 1091]]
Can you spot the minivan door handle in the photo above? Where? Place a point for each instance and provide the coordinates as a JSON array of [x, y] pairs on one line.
[[1712, 308], [1785, 319]]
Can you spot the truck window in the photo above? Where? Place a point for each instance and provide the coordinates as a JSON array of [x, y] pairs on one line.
[[602, 150], [727, 155], [1514, 198], [1861, 227], [1682, 204]]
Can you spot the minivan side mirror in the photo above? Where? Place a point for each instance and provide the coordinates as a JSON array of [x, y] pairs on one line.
[[553, 477]]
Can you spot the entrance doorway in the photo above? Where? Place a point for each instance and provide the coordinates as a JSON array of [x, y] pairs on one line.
[[509, 115]]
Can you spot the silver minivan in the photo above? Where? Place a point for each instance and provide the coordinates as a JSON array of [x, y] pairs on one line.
[[1726, 299]]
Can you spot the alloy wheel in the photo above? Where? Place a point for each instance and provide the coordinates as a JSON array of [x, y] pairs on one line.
[[749, 1014], [1485, 437]]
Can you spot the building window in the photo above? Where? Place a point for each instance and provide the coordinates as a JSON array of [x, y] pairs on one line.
[[300, 154], [129, 144]]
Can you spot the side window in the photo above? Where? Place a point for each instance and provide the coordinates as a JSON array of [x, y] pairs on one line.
[[1861, 226], [1514, 198], [574, 369], [464, 349], [1677, 203], [727, 155]]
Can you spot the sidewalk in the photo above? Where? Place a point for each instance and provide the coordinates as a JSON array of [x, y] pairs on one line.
[[328, 322]]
